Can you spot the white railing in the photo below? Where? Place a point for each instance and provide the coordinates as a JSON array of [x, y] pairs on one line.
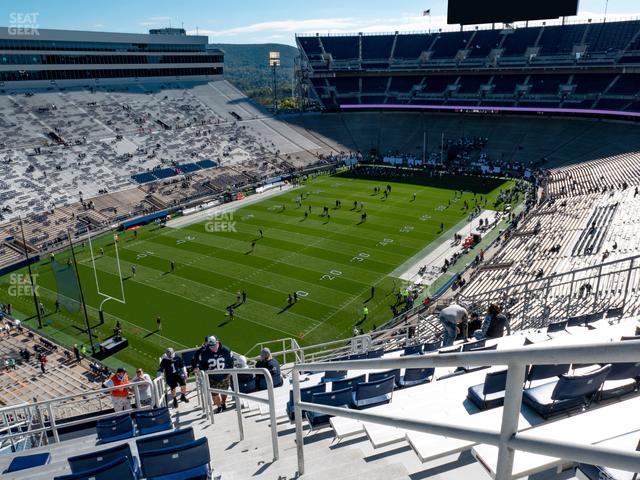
[[506, 438], [206, 390], [42, 416]]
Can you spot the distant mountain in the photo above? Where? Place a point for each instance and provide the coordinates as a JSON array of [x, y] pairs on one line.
[[247, 67]]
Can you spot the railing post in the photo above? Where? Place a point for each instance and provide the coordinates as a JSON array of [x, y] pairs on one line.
[[626, 287], [234, 378], [595, 297], [52, 421], [272, 415], [510, 418], [568, 311], [298, 419]]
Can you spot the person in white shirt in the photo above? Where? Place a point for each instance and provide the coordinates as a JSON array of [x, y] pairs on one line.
[[144, 391]]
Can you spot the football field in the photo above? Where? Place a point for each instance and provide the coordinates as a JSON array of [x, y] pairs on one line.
[[331, 263]]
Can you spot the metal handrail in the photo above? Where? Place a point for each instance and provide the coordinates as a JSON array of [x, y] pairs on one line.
[[207, 405], [506, 439], [49, 406]]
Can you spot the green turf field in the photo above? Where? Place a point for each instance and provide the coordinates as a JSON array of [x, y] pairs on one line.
[[331, 263]]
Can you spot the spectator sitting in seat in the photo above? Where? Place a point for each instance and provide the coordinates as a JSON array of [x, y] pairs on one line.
[[493, 325], [267, 361]]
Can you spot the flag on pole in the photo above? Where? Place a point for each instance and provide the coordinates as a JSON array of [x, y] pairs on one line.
[[426, 13]]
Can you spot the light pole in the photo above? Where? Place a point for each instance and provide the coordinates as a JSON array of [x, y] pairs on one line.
[[274, 63]]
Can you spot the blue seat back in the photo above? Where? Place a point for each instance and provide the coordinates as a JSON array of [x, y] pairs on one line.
[[431, 346], [330, 376], [118, 469], [348, 382], [169, 439], [375, 389], [624, 371], [375, 353], [467, 347], [557, 326], [151, 421], [576, 386], [357, 356], [112, 431], [416, 374], [413, 350], [616, 312], [338, 398], [540, 372], [90, 461], [307, 393], [173, 460], [455, 349], [395, 373], [577, 321], [495, 382]]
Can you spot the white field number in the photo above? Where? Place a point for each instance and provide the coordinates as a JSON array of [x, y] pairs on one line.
[[406, 229], [302, 293], [142, 255], [385, 242], [331, 275], [186, 239], [361, 257]]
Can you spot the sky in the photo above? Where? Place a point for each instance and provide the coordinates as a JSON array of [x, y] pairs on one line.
[[257, 21]]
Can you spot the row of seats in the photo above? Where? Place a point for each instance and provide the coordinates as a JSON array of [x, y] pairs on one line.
[[567, 391], [122, 427], [176, 455]]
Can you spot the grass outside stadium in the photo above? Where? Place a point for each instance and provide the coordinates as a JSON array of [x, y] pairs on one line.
[[330, 263]]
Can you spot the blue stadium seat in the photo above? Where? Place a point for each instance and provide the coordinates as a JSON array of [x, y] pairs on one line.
[[348, 382], [594, 472], [338, 398], [181, 462], [153, 421], [567, 393], [305, 396], [357, 356], [577, 321], [557, 326], [415, 376], [166, 440], [540, 372], [118, 469], [28, 461], [489, 394], [375, 353], [95, 460], [370, 394], [622, 379], [467, 347], [112, 430], [451, 349], [431, 346], [333, 375], [413, 350], [395, 373]]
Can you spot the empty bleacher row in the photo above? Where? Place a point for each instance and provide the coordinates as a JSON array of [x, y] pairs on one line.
[[550, 265], [22, 379], [63, 145]]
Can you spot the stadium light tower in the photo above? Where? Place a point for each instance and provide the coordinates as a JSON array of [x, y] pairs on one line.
[[274, 63]]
